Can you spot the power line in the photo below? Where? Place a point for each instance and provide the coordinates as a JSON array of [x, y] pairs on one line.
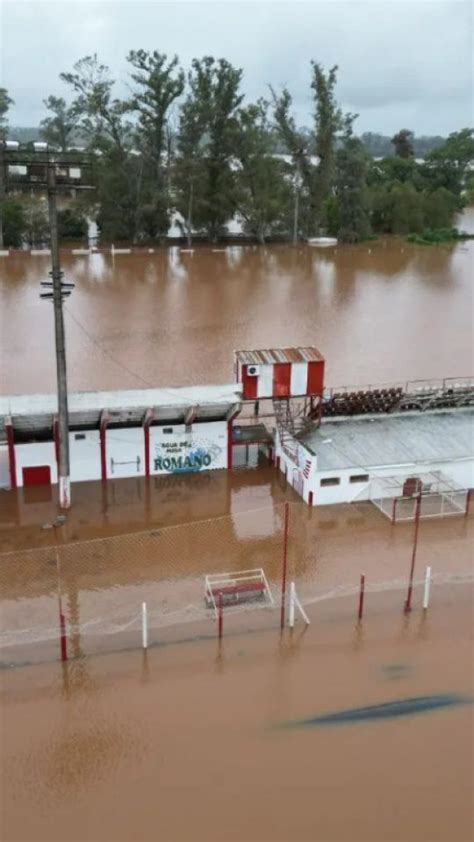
[[106, 353]]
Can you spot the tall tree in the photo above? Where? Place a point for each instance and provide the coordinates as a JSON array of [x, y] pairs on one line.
[[58, 130], [104, 122], [352, 164], [450, 164], [158, 84], [210, 115], [5, 102], [328, 122], [263, 192], [403, 143]]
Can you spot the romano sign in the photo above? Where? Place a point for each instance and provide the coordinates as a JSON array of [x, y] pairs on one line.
[[175, 450]]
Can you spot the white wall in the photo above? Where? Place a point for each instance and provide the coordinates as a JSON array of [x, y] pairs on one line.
[[461, 472], [204, 447], [35, 453], [126, 447], [4, 467], [85, 455]]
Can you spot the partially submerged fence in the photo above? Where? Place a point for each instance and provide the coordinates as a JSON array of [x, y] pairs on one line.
[[88, 596]]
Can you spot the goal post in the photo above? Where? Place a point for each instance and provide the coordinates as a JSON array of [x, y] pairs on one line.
[[440, 496]]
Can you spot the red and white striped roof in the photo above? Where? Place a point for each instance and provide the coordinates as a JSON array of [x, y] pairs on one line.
[[279, 355]]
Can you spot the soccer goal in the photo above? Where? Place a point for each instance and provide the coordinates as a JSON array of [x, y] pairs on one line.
[[233, 589], [437, 495]]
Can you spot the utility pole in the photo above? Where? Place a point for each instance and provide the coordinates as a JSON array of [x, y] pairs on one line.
[[44, 168], [56, 275]]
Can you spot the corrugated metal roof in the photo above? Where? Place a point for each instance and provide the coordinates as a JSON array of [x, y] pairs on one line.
[[279, 355], [34, 412], [411, 438]]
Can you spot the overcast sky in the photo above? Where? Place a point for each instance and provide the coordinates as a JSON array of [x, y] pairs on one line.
[[402, 63]]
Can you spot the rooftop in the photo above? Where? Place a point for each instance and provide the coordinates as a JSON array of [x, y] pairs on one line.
[[406, 439], [279, 355], [34, 412]]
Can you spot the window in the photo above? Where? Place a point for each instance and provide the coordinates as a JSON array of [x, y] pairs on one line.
[[359, 478], [329, 481]]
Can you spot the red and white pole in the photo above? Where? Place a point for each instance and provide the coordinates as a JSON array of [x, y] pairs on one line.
[[361, 597], [285, 565], [413, 556], [221, 615], [63, 636]]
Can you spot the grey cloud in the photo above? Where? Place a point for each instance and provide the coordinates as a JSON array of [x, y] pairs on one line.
[[402, 62]]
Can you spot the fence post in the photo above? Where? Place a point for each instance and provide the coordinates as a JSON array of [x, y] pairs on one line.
[[221, 616], [291, 617], [285, 564], [62, 624], [413, 557], [426, 593], [361, 596], [144, 626]]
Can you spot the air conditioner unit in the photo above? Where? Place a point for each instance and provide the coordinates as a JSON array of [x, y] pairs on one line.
[[253, 370]]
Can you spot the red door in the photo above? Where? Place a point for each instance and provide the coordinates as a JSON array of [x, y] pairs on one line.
[[37, 475], [281, 379]]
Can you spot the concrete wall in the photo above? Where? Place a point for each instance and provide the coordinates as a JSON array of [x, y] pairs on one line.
[[33, 454], [125, 452], [4, 467], [84, 450], [203, 447]]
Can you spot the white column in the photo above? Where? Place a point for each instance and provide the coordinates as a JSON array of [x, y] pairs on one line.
[[426, 594], [144, 626], [291, 612]]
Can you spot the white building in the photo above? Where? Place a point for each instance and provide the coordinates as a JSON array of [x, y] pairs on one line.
[[341, 460]]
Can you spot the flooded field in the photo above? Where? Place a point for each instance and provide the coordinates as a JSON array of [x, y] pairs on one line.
[[196, 741], [383, 311], [201, 742]]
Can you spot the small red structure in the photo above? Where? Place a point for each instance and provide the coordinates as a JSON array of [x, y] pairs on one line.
[[280, 372]]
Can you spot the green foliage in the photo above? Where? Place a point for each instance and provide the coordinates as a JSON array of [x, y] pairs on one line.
[[36, 223], [403, 143], [430, 237], [58, 129], [5, 102], [14, 222], [329, 121], [72, 224], [353, 214], [263, 193], [206, 183], [448, 166]]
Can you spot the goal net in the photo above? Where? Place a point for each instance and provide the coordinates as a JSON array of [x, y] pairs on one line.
[[396, 496]]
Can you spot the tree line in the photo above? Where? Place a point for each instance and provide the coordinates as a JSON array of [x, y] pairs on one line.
[[186, 146]]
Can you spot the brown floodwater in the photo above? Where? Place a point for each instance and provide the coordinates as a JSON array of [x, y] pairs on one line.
[[381, 311], [185, 743]]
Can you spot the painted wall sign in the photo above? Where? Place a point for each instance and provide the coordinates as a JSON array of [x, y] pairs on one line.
[[202, 449]]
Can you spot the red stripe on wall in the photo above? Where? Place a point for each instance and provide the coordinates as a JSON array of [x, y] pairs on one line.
[[249, 384], [103, 447], [11, 452], [230, 454], [146, 439], [315, 378]]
